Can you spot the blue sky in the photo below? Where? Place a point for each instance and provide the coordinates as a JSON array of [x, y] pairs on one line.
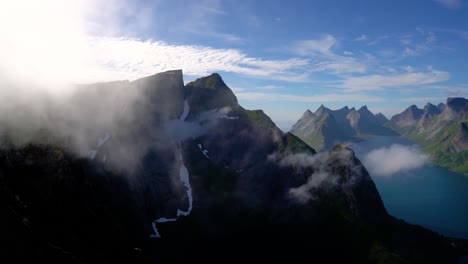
[[280, 56]]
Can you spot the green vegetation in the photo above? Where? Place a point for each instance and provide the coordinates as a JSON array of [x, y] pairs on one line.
[[442, 150], [259, 118], [294, 145]]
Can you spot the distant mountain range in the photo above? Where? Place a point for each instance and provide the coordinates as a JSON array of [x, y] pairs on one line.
[[441, 129], [326, 127]]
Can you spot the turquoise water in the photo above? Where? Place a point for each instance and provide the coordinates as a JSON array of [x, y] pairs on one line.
[[431, 196]]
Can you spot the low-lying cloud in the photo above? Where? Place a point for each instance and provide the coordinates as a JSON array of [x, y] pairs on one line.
[[322, 166], [388, 161]]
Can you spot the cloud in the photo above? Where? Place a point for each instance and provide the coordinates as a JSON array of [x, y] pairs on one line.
[[268, 87], [395, 159], [425, 99], [380, 82], [451, 4], [254, 96], [377, 40], [133, 58], [303, 193], [314, 46], [322, 165], [326, 60], [361, 38], [460, 33]]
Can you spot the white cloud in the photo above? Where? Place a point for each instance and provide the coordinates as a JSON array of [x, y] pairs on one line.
[[379, 82], [135, 58], [340, 65], [326, 60], [395, 159], [378, 40], [451, 4], [425, 99], [254, 96], [268, 87], [314, 46], [361, 38]]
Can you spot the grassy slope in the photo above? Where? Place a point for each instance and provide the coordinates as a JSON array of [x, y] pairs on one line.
[[439, 148]]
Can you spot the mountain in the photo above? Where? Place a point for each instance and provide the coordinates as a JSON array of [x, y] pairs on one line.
[[407, 119], [441, 130], [319, 130], [381, 119], [326, 127], [184, 173]]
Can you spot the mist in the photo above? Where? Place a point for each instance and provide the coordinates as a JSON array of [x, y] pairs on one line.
[[389, 161], [322, 166]]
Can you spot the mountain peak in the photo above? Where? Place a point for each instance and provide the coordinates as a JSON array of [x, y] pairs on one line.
[[210, 92], [457, 103], [322, 109], [212, 82], [430, 110], [308, 113]]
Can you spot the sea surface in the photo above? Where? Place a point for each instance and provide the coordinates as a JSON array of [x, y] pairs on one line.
[[431, 196]]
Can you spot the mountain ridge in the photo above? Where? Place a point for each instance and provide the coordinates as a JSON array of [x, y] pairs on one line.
[[250, 182], [345, 125]]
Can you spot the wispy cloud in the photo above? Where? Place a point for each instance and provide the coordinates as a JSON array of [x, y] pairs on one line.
[[425, 99], [268, 87], [255, 96], [460, 33], [451, 4], [361, 38], [132, 58], [321, 50], [379, 82], [309, 47], [378, 40]]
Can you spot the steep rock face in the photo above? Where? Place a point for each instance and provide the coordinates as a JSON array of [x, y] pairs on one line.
[[319, 130], [407, 118], [457, 109], [460, 137], [430, 111]]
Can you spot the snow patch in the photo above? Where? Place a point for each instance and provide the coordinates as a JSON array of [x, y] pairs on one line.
[[184, 178], [103, 140], [205, 152], [186, 111]]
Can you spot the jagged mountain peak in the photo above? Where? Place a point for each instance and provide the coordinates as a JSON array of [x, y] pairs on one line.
[[208, 93], [441, 106], [322, 109], [307, 114], [363, 108], [430, 109], [212, 82]]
